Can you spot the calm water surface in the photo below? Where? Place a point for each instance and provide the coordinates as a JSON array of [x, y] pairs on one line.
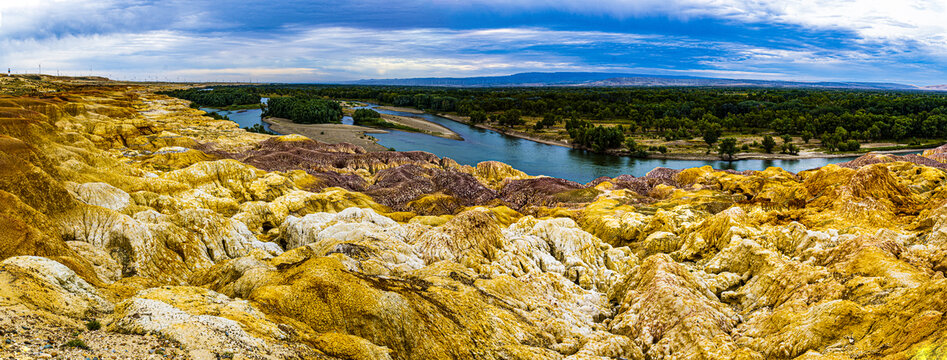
[[244, 118], [536, 158], [556, 161]]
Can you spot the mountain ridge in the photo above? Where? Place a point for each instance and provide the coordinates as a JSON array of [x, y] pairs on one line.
[[541, 79]]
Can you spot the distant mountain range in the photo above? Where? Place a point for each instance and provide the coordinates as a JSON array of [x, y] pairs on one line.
[[620, 79]]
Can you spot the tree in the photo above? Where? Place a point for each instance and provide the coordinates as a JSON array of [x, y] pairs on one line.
[[365, 117], [728, 147], [511, 118], [831, 141], [851, 145], [634, 149], [900, 128], [549, 120], [873, 132], [711, 134], [217, 98], [768, 144], [935, 126], [806, 136], [304, 110], [789, 148], [598, 138], [478, 117]]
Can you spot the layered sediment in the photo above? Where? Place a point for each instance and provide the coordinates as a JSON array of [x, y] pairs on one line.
[[174, 229]]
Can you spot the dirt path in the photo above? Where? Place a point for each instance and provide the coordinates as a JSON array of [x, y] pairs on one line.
[[330, 133]]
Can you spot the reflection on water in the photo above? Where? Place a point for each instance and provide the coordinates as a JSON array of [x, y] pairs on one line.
[[536, 158], [541, 159], [244, 118]]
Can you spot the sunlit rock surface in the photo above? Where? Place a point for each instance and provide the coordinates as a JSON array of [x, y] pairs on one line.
[[134, 209]]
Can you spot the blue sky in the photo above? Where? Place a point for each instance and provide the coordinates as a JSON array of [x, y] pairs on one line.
[[323, 41]]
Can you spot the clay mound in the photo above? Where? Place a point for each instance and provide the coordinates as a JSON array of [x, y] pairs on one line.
[[493, 173], [643, 185], [542, 192], [871, 159], [398, 186], [938, 150], [876, 182], [225, 257], [939, 157]]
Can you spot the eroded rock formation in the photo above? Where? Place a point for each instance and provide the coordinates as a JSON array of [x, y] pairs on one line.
[[134, 209]]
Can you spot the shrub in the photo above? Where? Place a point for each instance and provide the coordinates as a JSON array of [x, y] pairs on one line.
[[635, 150], [727, 147], [258, 128], [768, 144], [76, 343], [93, 325]]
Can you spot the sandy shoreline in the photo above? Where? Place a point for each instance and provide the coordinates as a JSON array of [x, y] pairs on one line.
[[517, 134], [358, 135], [330, 133], [424, 126], [774, 156], [400, 109], [682, 156]]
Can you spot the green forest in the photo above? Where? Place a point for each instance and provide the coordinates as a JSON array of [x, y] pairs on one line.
[[304, 110], [216, 98], [601, 118]]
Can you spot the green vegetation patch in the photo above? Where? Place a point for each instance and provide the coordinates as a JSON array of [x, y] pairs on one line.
[[217, 98], [304, 110], [369, 117], [600, 119], [76, 343]]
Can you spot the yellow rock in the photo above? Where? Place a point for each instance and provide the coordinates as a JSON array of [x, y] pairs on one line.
[[115, 195]]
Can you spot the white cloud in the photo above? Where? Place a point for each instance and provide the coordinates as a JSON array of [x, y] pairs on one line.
[[921, 21], [328, 53], [151, 38]]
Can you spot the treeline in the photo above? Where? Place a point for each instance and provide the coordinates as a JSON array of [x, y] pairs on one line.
[[673, 113], [221, 97], [596, 138], [682, 112], [304, 110]]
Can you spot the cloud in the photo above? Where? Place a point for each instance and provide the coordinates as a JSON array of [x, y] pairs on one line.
[[202, 40], [920, 21], [346, 53]]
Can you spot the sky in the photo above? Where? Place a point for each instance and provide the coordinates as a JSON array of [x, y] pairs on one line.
[[902, 41]]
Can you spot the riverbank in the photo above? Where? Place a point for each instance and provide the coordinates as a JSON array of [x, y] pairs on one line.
[[423, 126], [763, 156], [804, 154], [401, 109], [505, 131], [330, 133]]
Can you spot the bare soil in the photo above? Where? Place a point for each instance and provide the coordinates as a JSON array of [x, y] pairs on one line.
[[427, 127], [330, 133]]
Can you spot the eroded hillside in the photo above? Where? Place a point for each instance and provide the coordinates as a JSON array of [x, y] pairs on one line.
[[176, 230]]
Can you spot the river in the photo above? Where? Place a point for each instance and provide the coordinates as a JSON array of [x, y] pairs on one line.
[[244, 118], [541, 159], [536, 158]]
